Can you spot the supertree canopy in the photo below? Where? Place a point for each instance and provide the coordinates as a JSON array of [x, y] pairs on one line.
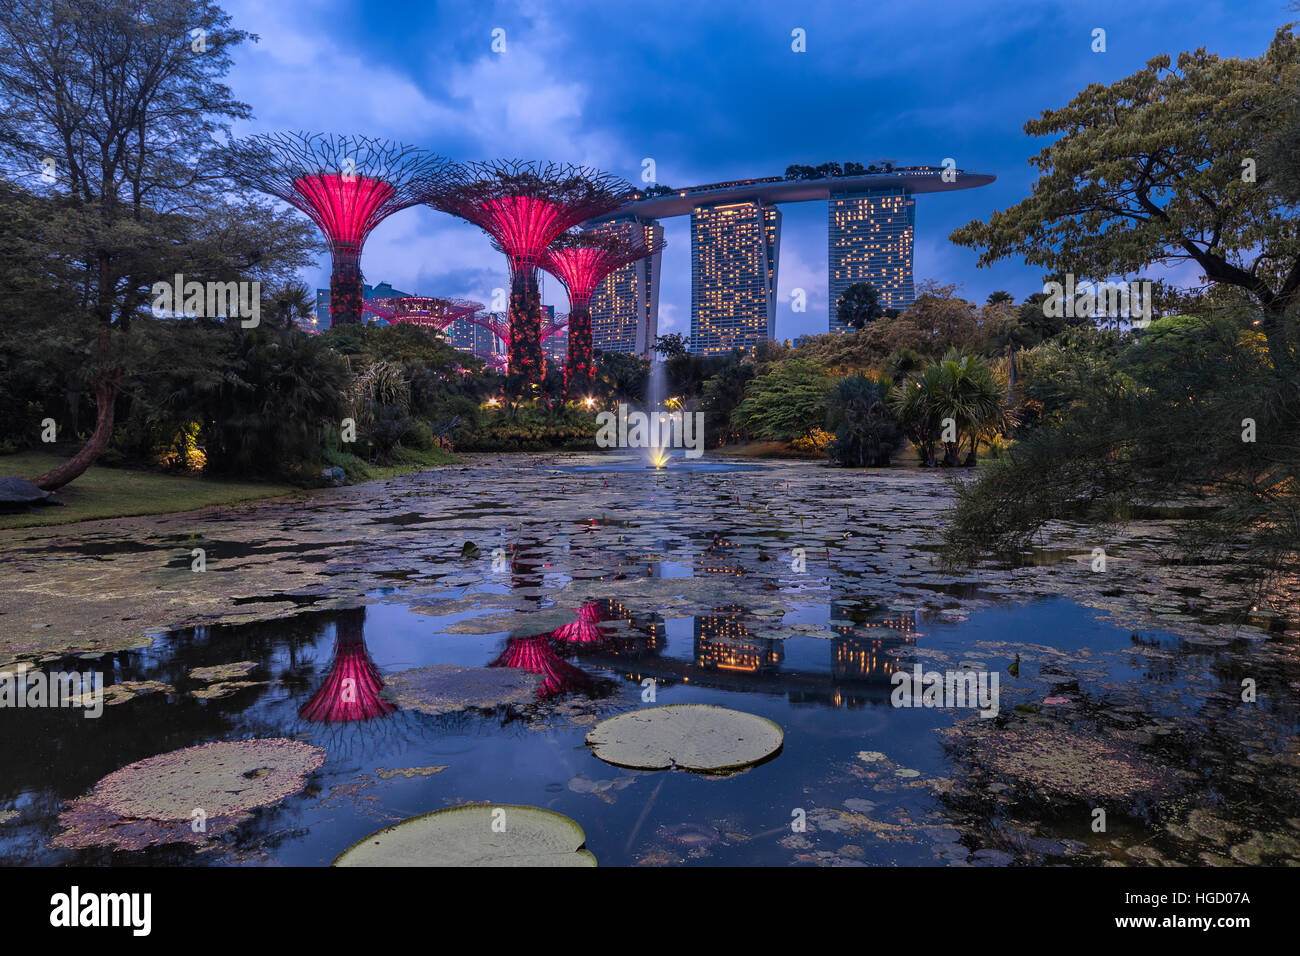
[[524, 207], [347, 185], [582, 261], [421, 310]]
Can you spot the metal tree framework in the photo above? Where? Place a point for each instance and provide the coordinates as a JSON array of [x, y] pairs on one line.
[[524, 207], [424, 311], [347, 185], [582, 261], [500, 327]]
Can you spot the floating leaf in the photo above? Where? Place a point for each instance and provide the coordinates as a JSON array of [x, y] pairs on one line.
[[481, 835], [697, 737], [445, 688], [155, 800]]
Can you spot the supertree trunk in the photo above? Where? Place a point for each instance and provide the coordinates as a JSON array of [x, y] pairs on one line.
[[526, 330], [345, 294], [580, 375]]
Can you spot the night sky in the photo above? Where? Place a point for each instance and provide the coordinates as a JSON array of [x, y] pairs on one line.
[[710, 91]]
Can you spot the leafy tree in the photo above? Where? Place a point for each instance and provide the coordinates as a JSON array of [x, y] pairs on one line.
[[901, 364], [722, 394], [1000, 296], [621, 377], [859, 306], [114, 94], [1160, 418], [783, 402], [290, 303], [673, 345], [1150, 169]]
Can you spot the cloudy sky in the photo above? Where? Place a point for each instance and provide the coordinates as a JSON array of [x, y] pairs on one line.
[[710, 91]]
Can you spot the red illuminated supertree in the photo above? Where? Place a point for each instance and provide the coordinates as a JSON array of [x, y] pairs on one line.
[[347, 185], [426, 312], [524, 207], [352, 687], [582, 261]]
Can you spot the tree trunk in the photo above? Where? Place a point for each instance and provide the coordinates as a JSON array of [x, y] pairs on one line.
[[1274, 328], [105, 399]]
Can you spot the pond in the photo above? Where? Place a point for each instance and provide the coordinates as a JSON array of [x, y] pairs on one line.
[[1093, 712]]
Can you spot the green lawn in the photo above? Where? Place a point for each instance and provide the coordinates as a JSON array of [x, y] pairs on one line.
[[120, 492]]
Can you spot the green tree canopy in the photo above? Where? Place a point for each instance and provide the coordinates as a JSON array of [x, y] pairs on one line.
[[785, 401], [1162, 166], [859, 306]]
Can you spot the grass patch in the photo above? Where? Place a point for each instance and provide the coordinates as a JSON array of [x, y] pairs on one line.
[[767, 449], [122, 492], [405, 461]]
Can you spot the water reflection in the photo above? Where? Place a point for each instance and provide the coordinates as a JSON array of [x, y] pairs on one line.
[[352, 688], [537, 656], [584, 630], [723, 643]]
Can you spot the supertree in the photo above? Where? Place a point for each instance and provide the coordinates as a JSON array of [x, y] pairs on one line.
[[500, 327], [524, 207], [426, 312], [347, 185], [582, 261]]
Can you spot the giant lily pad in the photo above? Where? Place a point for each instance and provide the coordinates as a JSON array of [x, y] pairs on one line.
[[162, 799], [445, 688], [697, 737], [481, 835]]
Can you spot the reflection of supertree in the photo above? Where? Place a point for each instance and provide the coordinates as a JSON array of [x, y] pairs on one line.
[[346, 184], [584, 630], [429, 313], [500, 327], [582, 261], [535, 655], [524, 207], [352, 687]]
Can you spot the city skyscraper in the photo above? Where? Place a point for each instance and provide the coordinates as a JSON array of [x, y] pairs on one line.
[[735, 248], [470, 337], [625, 307], [870, 238]]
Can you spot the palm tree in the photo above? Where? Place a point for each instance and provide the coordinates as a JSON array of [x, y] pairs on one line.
[[959, 388], [860, 412]]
